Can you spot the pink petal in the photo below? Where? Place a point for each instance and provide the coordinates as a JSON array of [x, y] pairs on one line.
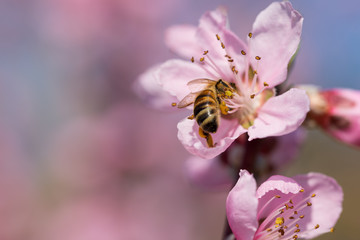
[[276, 37], [182, 41], [174, 75], [211, 24], [326, 206], [283, 184], [209, 173], [188, 134], [345, 106], [149, 89], [241, 207], [280, 115]]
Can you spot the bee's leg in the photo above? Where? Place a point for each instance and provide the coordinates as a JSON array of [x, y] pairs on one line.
[[191, 117], [208, 138], [223, 108]]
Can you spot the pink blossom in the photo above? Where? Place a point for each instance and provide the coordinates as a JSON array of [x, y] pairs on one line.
[[337, 111], [304, 206], [254, 68]]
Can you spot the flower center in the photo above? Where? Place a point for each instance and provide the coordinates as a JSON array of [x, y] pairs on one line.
[[248, 95], [287, 219]]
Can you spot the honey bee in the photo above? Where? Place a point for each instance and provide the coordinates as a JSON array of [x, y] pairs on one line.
[[207, 96]]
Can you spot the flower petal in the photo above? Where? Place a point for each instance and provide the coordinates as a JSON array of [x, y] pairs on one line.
[[188, 134], [149, 89], [280, 115], [283, 184], [276, 37], [209, 173], [181, 40], [174, 75], [241, 207], [344, 119], [326, 206]]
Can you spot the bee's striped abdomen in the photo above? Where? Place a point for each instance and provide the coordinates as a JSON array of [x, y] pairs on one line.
[[206, 111]]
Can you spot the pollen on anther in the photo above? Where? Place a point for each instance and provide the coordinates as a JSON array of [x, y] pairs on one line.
[[277, 196], [222, 45], [250, 35], [230, 60], [309, 204], [205, 52], [313, 195], [295, 237], [257, 58], [302, 216], [252, 96], [302, 190], [173, 104], [243, 52], [192, 59], [332, 229], [217, 37], [317, 226], [269, 229], [297, 230], [202, 59], [279, 221], [291, 217], [297, 225], [295, 212], [266, 85], [233, 68]]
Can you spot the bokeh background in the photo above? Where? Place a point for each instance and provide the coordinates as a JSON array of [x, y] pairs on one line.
[[82, 157]]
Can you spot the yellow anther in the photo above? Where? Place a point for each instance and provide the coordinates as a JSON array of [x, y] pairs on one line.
[[250, 35], [297, 225], [285, 227], [229, 93], [291, 207], [290, 201], [313, 195], [233, 68], [295, 237], [202, 59], [222, 45], [206, 52], [286, 206], [173, 104], [257, 58], [317, 226], [309, 204], [291, 217], [230, 60], [192, 59], [266, 84], [302, 216], [295, 212], [297, 230], [302, 190], [279, 221], [217, 37], [332, 229], [252, 96], [281, 211], [243, 52], [277, 196]]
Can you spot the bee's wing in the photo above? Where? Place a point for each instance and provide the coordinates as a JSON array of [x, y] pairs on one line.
[[200, 84], [188, 99]]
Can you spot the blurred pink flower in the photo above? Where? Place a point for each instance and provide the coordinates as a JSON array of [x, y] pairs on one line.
[[304, 206], [252, 68], [337, 111]]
